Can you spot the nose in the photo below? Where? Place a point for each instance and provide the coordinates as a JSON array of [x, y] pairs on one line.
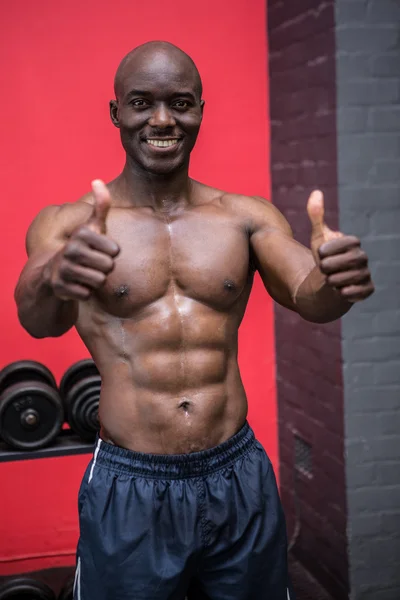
[[162, 117]]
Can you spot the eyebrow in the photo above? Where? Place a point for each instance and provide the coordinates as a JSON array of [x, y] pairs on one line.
[[137, 93]]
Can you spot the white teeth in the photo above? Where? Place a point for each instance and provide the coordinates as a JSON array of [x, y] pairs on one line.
[[162, 143]]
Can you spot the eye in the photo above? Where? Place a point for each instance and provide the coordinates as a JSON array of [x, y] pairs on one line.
[[139, 103], [181, 104]]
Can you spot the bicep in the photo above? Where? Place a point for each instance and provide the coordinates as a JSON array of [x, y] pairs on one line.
[[54, 225], [45, 232], [43, 240], [283, 263], [46, 236]]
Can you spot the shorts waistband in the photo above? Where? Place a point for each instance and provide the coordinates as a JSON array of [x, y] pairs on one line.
[[175, 466]]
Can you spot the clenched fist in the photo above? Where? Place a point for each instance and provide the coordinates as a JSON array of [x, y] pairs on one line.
[[88, 257], [338, 256]]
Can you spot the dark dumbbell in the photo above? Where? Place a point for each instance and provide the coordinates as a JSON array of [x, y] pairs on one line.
[[80, 389], [31, 410], [25, 588], [67, 591]]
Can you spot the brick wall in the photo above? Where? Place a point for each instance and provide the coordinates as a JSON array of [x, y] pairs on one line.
[[368, 124], [309, 378], [335, 124]]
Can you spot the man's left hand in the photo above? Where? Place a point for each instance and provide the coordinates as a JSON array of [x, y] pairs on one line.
[[339, 257]]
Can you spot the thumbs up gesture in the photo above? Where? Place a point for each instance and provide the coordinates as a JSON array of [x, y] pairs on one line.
[[84, 262], [102, 203], [338, 256]]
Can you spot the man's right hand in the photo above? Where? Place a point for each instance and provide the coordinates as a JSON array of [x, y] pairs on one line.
[[84, 262]]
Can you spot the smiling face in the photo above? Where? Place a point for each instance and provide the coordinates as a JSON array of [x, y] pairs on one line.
[[158, 108]]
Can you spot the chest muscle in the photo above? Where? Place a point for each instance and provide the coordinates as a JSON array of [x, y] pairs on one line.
[[202, 258]]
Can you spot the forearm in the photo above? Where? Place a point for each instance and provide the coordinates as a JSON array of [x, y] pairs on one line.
[[40, 312], [316, 301]]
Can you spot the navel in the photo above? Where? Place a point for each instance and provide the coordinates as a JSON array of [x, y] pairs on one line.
[[184, 405]]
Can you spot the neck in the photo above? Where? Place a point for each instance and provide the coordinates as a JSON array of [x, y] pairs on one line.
[[138, 187]]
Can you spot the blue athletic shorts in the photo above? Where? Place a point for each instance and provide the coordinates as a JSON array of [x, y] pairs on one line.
[[207, 525]]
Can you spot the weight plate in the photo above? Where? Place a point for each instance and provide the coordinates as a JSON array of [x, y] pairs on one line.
[[25, 370], [79, 370], [25, 588], [84, 416], [82, 406], [31, 415]]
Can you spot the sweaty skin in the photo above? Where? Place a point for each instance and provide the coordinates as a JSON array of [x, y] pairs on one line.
[[156, 270]]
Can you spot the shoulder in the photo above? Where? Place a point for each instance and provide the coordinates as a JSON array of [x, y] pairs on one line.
[[256, 212], [58, 221], [64, 215]]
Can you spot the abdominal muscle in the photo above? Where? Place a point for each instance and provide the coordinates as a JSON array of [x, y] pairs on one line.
[[164, 395]]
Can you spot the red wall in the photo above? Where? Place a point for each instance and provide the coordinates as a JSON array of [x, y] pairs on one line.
[[58, 63]]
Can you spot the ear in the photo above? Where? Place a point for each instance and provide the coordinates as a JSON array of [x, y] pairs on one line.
[[114, 112]]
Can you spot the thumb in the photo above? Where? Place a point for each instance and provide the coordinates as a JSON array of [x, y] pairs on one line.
[[315, 210], [102, 203], [321, 233]]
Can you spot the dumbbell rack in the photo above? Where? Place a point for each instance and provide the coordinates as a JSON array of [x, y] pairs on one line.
[[30, 387], [66, 444]]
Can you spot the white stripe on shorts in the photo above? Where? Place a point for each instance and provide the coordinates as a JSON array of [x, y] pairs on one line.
[[77, 582], [94, 460], [288, 595]]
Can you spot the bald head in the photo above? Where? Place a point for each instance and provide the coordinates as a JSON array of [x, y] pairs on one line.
[[156, 56]]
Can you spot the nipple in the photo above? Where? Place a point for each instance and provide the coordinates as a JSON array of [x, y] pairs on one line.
[[122, 291], [229, 285]]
